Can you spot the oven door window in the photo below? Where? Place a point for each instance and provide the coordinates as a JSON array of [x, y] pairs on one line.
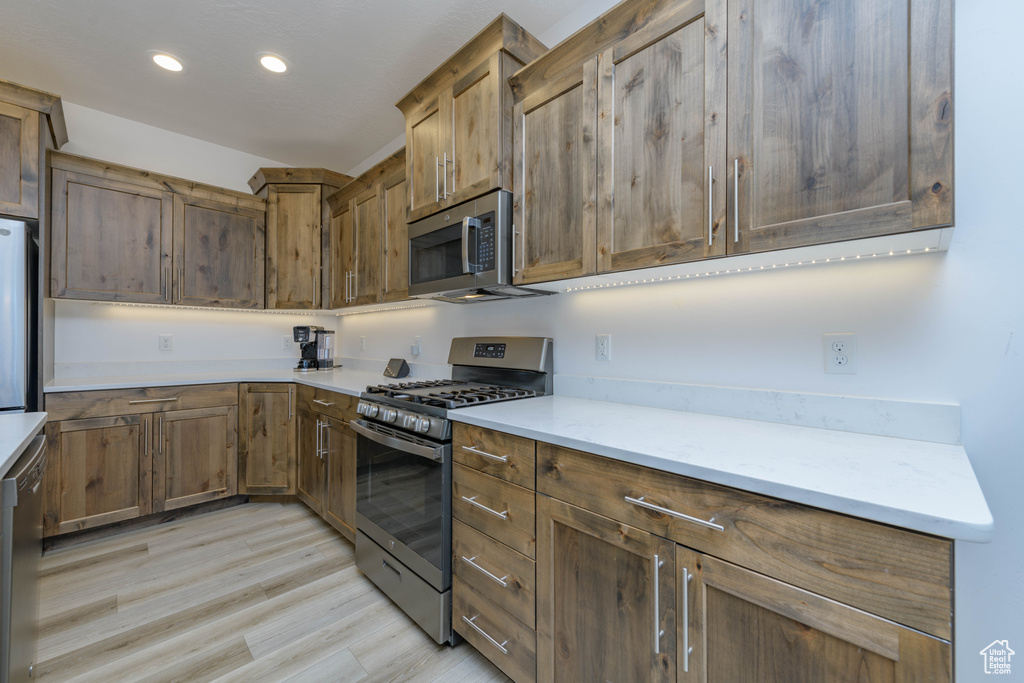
[[403, 494]]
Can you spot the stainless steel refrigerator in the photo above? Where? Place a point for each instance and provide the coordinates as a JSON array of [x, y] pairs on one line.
[[19, 354]]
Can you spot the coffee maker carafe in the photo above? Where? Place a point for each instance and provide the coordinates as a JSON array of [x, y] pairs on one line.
[[316, 348]]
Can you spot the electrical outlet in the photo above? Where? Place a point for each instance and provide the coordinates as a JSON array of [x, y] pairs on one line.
[[362, 343], [603, 347], [286, 342], [415, 349], [165, 342], [841, 353]]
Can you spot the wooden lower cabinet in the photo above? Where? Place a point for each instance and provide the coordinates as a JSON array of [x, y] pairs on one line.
[[98, 472], [267, 432], [738, 625], [327, 469], [196, 457], [605, 598]]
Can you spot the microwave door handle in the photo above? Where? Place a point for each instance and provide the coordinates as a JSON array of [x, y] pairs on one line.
[[436, 454], [467, 223]]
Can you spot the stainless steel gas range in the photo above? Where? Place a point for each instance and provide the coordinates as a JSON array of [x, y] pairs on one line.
[[404, 468]]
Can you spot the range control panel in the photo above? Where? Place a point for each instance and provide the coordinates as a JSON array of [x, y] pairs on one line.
[[489, 351]]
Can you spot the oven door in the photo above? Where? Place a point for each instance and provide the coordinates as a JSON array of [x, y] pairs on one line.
[[404, 500]]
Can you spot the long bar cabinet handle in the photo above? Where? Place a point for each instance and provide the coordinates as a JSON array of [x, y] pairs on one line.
[[446, 176], [687, 650], [500, 646], [640, 502], [474, 565], [437, 179], [290, 390], [736, 200], [323, 403], [658, 633], [472, 501], [499, 458], [153, 400], [711, 206]]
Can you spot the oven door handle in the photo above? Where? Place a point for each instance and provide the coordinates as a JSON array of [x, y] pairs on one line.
[[436, 454]]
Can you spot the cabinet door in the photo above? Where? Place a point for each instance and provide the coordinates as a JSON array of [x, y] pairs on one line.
[[396, 239], [19, 161], [219, 254], [340, 502], [366, 272], [744, 626], [293, 246], [555, 178], [267, 431], [98, 472], [312, 466], [605, 599], [342, 251], [837, 128], [425, 133], [476, 149], [661, 132], [196, 457], [111, 240]]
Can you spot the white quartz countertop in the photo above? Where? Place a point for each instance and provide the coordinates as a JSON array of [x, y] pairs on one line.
[[16, 431], [919, 485], [342, 380]]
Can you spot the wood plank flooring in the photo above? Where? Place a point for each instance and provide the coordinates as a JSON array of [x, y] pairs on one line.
[[258, 592]]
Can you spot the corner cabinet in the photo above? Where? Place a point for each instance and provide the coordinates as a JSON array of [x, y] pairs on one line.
[[267, 433], [297, 261], [671, 132], [123, 234], [457, 121], [31, 121]]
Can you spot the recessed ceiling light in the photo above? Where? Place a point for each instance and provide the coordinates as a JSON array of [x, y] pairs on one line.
[[167, 61], [272, 62]]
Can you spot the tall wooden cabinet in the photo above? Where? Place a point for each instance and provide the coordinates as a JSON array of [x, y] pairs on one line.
[[123, 234], [31, 121], [297, 246], [457, 121], [368, 235], [674, 131]]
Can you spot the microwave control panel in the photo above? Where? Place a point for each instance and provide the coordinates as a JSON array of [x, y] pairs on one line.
[[485, 243], [489, 351]]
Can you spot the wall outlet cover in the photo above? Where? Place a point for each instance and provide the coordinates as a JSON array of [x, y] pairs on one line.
[[165, 342], [840, 353]]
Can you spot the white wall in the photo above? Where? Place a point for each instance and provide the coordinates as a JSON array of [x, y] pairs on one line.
[[930, 328]]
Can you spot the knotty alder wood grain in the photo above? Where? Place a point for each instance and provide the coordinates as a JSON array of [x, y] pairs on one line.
[[518, 641], [257, 592], [196, 458], [341, 252], [424, 144], [518, 596], [312, 468], [293, 246], [19, 161], [108, 402], [340, 496], [897, 574], [519, 456], [597, 606], [516, 529], [366, 248], [395, 283], [267, 434]]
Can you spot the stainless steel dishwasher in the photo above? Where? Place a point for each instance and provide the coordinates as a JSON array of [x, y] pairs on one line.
[[21, 549]]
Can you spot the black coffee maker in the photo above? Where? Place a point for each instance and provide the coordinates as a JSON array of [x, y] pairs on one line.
[[316, 347]]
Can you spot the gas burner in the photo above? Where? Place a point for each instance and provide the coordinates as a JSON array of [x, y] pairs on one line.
[[473, 395]]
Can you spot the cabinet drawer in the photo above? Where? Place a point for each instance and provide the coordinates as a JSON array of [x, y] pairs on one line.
[[499, 509], [901, 575], [329, 403], [507, 457], [107, 403], [505, 577], [509, 644]]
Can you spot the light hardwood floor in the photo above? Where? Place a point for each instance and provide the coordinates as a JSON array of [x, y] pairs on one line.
[[258, 592]]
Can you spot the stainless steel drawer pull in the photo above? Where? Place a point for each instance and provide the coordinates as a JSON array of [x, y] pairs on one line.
[[153, 400], [499, 458], [323, 403], [472, 501], [500, 646], [640, 502], [687, 650], [658, 633], [736, 200], [474, 565], [711, 206]]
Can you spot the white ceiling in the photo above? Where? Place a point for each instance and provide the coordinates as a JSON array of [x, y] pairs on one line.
[[350, 62]]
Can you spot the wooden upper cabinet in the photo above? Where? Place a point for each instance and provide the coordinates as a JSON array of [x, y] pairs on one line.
[[395, 285], [366, 271], [458, 120], [837, 128], [342, 229], [555, 177], [219, 249], [110, 240], [123, 234], [661, 100], [298, 246], [737, 625], [31, 121]]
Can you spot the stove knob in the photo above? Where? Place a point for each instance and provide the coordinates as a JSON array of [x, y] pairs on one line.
[[361, 408], [388, 414], [371, 410], [423, 425], [408, 421]]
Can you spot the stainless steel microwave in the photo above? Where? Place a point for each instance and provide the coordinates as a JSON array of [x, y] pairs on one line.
[[464, 253]]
